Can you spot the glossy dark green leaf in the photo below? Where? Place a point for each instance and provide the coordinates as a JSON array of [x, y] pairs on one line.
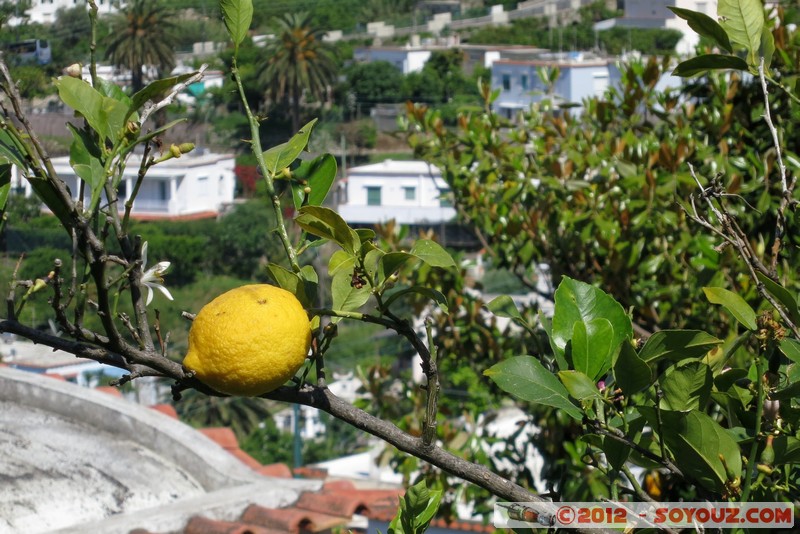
[[787, 450], [5, 183], [677, 345], [281, 156], [11, 150], [318, 174], [705, 26], [735, 304], [631, 373], [289, 281], [84, 160], [526, 378], [237, 16], [687, 386], [782, 295], [391, 262], [576, 301], [697, 441], [155, 90], [579, 386], [326, 223], [592, 345], [433, 294], [432, 253], [791, 349], [105, 115], [706, 62]]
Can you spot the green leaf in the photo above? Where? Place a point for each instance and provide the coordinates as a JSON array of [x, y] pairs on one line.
[[154, 90], [698, 441], [743, 21], [319, 174], [105, 115], [237, 15], [631, 373], [791, 349], [84, 160], [12, 151], [686, 387], [5, 183], [735, 304], [706, 62], [782, 295], [677, 345], [592, 345], [346, 297], [792, 391], [526, 378], [503, 306], [341, 260], [326, 223], [433, 294], [432, 253], [787, 450], [579, 386], [289, 281], [767, 48], [417, 508], [576, 301], [391, 262], [705, 26], [281, 156]]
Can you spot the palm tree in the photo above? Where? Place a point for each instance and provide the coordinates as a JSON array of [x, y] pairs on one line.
[[142, 36], [297, 62]]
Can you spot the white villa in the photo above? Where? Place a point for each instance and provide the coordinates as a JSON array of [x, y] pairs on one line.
[[410, 192], [581, 76], [192, 186], [44, 11]]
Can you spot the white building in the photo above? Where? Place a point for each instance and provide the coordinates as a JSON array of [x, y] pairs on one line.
[[192, 186], [579, 77], [44, 11], [406, 59], [654, 14], [409, 192]]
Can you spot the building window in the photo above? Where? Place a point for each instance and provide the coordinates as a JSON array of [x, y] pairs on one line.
[[506, 82], [373, 196], [445, 198], [523, 81], [410, 193], [163, 190]]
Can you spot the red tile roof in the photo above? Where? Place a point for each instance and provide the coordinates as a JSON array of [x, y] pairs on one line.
[[333, 506]]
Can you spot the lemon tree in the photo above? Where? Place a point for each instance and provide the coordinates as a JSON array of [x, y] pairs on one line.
[[249, 340]]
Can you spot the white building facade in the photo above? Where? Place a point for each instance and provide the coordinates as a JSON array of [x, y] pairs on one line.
[[191, 186], [579, 77], [408, 192], [44, 11]]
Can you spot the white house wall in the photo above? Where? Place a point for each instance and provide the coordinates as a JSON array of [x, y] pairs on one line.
[[44, 11], [395, 179], [191, 185]]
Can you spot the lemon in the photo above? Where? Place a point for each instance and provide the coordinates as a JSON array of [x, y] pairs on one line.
[[249, 341]]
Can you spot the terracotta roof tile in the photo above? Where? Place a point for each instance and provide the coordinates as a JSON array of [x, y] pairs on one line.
[[332, 486], [226, 439], [203, 525], [166, 409], [292, 519], [276, 470], [311, 472], [110, 390], [345, 504]]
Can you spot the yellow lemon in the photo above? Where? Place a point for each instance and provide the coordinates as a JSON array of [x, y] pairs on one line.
[[249, 341]]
